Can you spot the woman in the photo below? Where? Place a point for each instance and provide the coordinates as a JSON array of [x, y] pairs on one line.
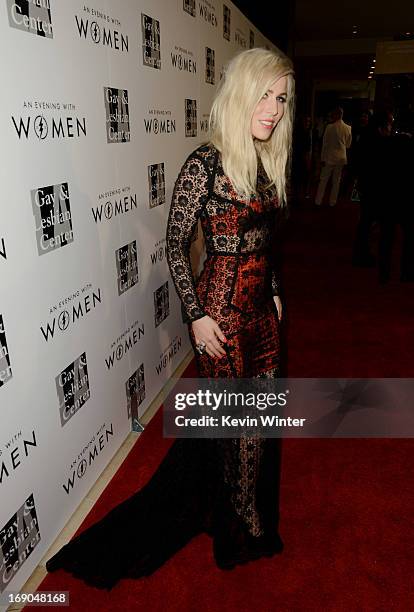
[[227, 488]]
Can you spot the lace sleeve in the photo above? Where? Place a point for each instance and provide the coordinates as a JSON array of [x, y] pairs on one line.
[[189, 197]]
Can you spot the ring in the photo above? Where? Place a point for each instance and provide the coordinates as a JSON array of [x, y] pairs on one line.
[[201, 347]]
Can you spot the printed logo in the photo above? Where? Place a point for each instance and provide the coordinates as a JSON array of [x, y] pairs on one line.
[[156, 184], [102, 34], [160, 253], [204, 123], [168, 354], [90, 451], [135, 392], [114, 203], [151, 43], [210, 70], [160, 122], [161, 304], [3, 253], [5, 368], [208, 12], [183, 60], [72, 308], [226, 22], [18, 539], [117, 116], [122, 345], [72, 387], [53, 219], [240, 38], [189, 7], [45, 125], [127, 266], [251, 40], [190, 117], [31, 16], [14, 453]]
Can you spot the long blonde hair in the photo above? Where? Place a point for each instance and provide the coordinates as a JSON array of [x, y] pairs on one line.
[[246, 79]]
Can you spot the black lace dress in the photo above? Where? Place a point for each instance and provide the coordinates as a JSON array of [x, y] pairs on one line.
[[228, 488]]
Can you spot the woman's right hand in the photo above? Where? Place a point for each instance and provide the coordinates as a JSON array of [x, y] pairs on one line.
[[207, 330]]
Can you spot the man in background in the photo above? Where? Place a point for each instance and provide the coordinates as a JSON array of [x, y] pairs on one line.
[[372, 166], [336, 140]]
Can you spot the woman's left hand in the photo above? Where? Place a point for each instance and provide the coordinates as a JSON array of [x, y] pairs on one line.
[[278, 303]]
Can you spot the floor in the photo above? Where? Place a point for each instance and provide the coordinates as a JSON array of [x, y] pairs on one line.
[[91, 498]]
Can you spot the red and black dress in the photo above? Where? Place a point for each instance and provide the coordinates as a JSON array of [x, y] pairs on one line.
[[227, 488], [238, 280]]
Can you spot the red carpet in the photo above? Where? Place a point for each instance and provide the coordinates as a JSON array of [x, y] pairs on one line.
[[346, 505]]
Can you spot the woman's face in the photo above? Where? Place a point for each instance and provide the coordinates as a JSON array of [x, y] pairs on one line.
[[269, 110]]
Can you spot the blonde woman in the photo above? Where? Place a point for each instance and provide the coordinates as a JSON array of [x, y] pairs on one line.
[[234, 184], [228, 488]]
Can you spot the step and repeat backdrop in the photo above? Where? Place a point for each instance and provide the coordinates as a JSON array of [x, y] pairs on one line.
[[101, 103]]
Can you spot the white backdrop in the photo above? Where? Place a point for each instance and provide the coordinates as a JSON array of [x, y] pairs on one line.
[[101, 103]]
